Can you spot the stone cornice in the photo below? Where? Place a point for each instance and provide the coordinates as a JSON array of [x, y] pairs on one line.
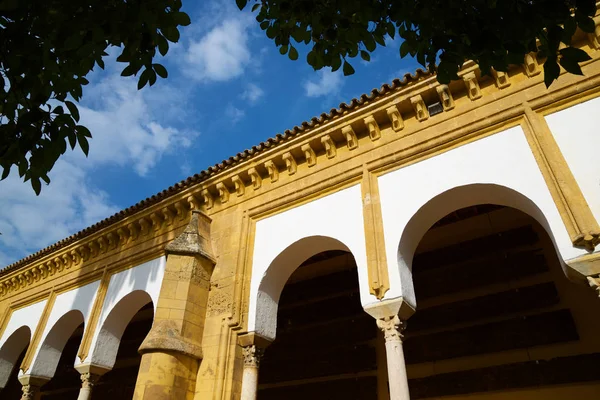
[[241, 177]]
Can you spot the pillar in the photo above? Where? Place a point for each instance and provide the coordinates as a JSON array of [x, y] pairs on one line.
[[390, 316], [31, 386], [253, 347], [397, 378], [171, 353], [90, 374]]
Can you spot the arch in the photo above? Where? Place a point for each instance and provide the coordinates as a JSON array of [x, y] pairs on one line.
[[11, 350], [452, 200], [49, 353], [277, 274], [107, 343]]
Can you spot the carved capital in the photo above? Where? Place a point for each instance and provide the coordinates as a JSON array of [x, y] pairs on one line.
[[392, 328], [88, 380], [594, 282], [252, 356], [29, 392]]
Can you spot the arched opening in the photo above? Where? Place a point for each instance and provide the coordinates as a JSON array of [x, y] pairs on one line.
[[56, 358], [11, 356], [496, 316], [119, 382], [326, 345]]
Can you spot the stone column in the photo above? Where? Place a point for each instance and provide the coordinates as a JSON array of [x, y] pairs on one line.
[[253, 347], [171, 352], [398, 380], [31, 386], [90, 374]]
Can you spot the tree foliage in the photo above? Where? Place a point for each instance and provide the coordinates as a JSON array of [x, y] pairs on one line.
[[440, 34], [47, 47]]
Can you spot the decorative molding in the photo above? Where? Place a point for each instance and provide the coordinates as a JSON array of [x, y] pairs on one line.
[[223, 192], [290, 163], [472, 85], [501, 79], [350, 136], [240, 188], [373, 127], [395, 118], [445, 97], [37, 334], [377, 270], [421, 112], [272, 170], [392, 328], [574, 210], [91, 325], [329, 145], [309, 154], [255, 178]]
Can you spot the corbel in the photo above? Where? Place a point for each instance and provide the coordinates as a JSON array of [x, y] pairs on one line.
[[193, 203], [113, 240], [350, 136], [58, 265], [290, 163], [532, 67], [168, 215], [255, 178], [472, 85], [223, 192], [156, 219], [75, 257], [84, 252], [27, 277], [180, 210], [240, 188], [329, 146], [144, 226], [123, 236], [102, 244], [36, 274], [207, 199], [272, 170], [134, 230], [418, 105], [501, 79], [445, 97], [309, 154], [67, 261], [395, 118], [373, 127], [94, 248]]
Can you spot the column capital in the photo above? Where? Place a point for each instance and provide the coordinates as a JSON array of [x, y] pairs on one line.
[[392, 328], [594, 282], [31, 385], [252, 355]]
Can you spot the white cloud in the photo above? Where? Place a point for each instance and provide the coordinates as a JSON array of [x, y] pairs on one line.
[[326, 83], [252, 93], [222, 53], [234, 114]]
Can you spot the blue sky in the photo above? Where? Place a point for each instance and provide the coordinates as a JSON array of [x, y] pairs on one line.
[[228, 89]]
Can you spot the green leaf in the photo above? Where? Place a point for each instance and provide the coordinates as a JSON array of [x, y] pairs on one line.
[[129, 70], [404, 49], [365, 55], [283, 50], [348, 69], [241, 3], [182, 18], [46, 179], [255, 7], [369, 42], [160, 70], [575, 54], [551, 71], [72, 139], [586, 24], [336, 63], [36, 185], [73, 110], [83, 131], [83, 143], [144, 78], [293, 54], [570, 65], [264, 25], [171, 33], [163, 45]]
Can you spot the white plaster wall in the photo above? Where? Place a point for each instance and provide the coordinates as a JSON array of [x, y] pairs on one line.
[[576, 130], [338, 216], [503, 159], [146, 277], [80, 299], [27, 316]]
